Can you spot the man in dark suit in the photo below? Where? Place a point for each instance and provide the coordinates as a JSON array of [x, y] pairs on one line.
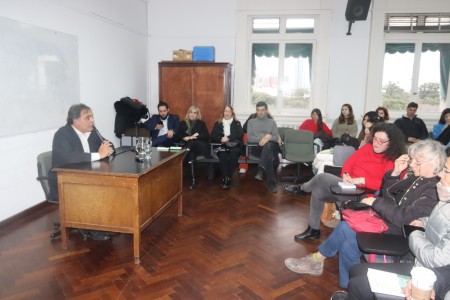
[[163, 126], [77, 141]]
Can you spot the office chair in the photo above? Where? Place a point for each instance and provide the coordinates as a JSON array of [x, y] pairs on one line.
[[298, 148], [340, 155], [385, 244], [282, 132], [44, 164]]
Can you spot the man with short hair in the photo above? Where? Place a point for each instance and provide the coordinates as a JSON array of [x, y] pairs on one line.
[[263, 131], [413, 127], [163, 126], [78, 141]]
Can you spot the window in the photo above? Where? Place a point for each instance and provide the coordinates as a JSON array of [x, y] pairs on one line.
[[416, 72], [417, 23], [281, 62], [416, 61]]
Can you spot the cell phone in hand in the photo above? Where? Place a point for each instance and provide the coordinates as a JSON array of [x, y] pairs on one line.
[[407, 229], [160, 123]]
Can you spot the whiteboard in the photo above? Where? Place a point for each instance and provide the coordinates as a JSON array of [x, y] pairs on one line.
[[38, 77]]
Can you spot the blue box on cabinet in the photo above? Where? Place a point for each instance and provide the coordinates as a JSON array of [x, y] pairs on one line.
[[203, 53]]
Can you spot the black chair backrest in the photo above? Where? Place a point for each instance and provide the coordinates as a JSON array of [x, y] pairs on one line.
[[44, 164]]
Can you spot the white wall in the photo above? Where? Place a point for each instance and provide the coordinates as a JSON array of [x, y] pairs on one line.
[[348, 64], [112, 47], [184, 24]]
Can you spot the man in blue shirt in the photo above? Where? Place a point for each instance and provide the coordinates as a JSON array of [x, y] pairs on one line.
[[163, 126]]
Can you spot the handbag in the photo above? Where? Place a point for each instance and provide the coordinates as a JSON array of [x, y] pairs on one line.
[[364, 220], [231, 144], [353, 205]]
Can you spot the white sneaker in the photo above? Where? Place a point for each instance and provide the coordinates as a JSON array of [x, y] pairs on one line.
[[304, 265], [242, 171]]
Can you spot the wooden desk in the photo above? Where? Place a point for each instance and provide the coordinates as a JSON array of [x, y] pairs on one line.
[[119, 194]]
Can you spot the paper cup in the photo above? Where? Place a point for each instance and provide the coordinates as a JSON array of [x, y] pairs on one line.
[[422, 283]]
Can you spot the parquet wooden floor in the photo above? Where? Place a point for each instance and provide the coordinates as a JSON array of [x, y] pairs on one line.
[[227, 245]]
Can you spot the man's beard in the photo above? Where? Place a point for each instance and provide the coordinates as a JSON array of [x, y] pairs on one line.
[[164, 117]]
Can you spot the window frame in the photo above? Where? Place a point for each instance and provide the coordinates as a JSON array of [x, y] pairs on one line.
[[320, 58], [376, 61], [282, 38]]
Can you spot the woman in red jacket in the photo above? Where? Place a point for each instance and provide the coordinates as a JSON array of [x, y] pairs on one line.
[[364, 168], [322, 134]]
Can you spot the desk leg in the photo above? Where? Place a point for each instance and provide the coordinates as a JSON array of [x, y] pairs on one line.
[[180, 204], [136, 246], [64, 236]]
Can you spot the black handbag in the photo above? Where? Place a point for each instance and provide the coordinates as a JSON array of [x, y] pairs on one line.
[[231, 144], [353, 205]]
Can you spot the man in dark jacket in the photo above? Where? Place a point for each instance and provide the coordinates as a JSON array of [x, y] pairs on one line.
[[413, 127], [163, 126], [78, 141]]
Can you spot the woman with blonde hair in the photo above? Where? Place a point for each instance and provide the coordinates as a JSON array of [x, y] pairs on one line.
[[228, 132], [194, 133]]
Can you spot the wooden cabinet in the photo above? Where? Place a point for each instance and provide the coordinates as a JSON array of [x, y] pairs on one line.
[[208, 85]]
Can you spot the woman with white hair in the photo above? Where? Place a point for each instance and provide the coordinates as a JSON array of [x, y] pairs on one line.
[[400, 202], [430, 247]]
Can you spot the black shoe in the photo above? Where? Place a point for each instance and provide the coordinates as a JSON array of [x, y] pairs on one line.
[[193, 184], [98, 235], [226, 183], [294, 190], [272, 187], [309, 233]]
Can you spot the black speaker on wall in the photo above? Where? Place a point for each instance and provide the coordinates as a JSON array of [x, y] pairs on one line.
[[357, 10]]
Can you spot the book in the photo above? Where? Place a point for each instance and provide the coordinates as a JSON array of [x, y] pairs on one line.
[[347, 185], [387, 282], [175, 149], [162, 148]]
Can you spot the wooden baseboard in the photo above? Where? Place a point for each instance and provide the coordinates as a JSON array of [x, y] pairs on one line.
[[23, 216]]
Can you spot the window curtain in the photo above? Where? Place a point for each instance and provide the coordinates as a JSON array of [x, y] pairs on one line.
[[444, 50], [269, 50]]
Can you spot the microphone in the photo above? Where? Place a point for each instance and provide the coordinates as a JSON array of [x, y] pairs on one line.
[[99, 135], [103, 139]]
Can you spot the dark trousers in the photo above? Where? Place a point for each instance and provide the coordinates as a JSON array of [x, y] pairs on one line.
[[359, 287], [228, 161], [269, 160], [163, 141], [196, 148]]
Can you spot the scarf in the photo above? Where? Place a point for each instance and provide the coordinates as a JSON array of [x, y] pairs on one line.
[[190, 124], [226, 126]]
